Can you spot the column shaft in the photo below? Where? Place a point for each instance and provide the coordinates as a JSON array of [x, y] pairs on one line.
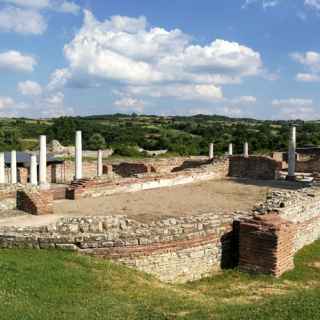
[[2, 168], [211, 151], [292, 153], [13, 167], [78, 160], [33, 170], [246, 150], [43, 161], [100, 163]]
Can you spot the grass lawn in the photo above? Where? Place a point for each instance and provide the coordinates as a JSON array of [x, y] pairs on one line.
[[60, 285]]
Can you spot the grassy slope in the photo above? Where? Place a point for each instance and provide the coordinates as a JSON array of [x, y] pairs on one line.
[[59, 285]]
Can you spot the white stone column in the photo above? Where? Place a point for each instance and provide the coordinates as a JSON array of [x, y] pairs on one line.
[[246, 150], [230, 152], [33, 170], [78, 160], [2, 168], [292, 153], [43, 161], [100, 163], [13, 167], [211, 154]]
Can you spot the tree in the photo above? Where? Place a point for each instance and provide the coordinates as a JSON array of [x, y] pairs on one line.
[[96, 142]]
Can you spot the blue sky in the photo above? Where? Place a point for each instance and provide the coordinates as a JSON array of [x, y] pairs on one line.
[[252, 58]]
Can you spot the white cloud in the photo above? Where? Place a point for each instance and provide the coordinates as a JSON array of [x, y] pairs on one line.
[[34, 4], [16, 61], [56, 5], [310, 60], [143, 61], [129, 103], [244, 100], [292, 102], [312, 4], [307, 77], [180, 91], [264, 3], [22, 21], [30, 88], [68, 7], [56, 98], [6, 102], [295, 108]]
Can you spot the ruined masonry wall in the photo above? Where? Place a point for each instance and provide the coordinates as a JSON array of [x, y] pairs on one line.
[[99, 188], [254, 167], [174, 250]]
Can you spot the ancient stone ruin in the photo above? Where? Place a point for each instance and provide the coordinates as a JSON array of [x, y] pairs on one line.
[[175, 247]]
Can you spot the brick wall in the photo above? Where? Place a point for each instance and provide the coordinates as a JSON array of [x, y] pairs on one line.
[[266, 245], [254, 167], [37, 202]]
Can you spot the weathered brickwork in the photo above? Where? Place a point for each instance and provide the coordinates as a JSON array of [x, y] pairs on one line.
[[34, 201], [266, 245], [254, 167], [309, 166]]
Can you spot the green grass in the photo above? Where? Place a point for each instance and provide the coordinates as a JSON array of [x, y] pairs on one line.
[[59, 285]]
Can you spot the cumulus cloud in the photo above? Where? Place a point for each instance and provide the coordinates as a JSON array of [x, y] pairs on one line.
[[310, 60], [126, 53], [312, 4], [30, 88], [22, 21], [295, 108], [16, 61], [6, 102], [56, 5]]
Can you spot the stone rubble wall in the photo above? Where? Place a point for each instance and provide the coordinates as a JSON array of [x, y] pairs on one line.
[[173, 249], [254, 167], [301, 207], [104, 187]]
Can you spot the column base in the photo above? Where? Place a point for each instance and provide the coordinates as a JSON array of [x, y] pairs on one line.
[[291, 178]]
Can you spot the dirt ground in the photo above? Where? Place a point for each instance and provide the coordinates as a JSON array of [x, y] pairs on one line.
[[145, 206]]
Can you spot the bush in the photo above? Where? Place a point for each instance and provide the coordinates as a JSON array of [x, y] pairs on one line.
[[127, 151]]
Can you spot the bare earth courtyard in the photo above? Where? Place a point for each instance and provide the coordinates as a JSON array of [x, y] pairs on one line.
[[145, 206]]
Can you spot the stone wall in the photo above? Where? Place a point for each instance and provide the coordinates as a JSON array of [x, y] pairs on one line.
[[309, 166], [254, 167], [174, 249], [104, 187]]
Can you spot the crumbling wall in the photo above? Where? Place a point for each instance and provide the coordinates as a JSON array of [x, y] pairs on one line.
[[308, 166], [174, 250], [34, 201], [254, 167], [104, 187]]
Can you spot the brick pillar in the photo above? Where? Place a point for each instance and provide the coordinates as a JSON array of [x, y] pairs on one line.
[[266, 245]]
